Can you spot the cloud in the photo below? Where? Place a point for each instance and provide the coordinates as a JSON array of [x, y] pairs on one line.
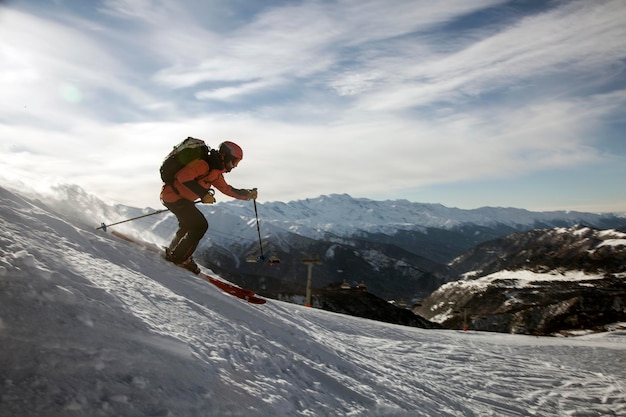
[[228, 93], [576, 40], [364, 97], [46, 83], [308, 39]]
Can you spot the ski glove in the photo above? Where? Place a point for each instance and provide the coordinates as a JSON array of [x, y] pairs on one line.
[[208, 198], [246, 194]]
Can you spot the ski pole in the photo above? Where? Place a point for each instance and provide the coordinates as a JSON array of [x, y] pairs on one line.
[[104, 226], [258, 229]]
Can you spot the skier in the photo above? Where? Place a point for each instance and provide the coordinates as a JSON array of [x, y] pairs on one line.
[[194, 182]]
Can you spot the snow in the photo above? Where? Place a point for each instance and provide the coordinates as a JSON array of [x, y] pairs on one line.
[[611, 233], [608, 237], [93, 326], [507, 279], [613, 242], [526, 278]]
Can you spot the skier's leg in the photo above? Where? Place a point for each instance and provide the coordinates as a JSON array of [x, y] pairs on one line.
[[180, 233], [192, 226]]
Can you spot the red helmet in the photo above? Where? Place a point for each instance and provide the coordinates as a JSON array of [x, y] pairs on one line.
[[231, 152]]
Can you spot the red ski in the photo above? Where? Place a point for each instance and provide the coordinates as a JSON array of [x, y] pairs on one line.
[[242, 293], [227, 287]]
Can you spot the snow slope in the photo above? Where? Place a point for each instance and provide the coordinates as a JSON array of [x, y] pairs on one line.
[[93, 326]]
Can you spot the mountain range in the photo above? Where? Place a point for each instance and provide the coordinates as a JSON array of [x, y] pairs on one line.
[[455, 267], [399, 250]]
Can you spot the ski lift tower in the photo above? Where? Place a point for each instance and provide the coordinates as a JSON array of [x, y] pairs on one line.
[[309, 263]]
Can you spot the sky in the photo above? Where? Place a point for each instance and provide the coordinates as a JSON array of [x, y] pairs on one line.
[[467, 104]]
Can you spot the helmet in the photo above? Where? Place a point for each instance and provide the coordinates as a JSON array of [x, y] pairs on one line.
[[231, 152]]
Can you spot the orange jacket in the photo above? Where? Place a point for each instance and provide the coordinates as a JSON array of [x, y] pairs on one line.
[[198, 171]]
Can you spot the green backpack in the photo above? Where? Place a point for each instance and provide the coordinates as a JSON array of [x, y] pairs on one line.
[[188, 150]]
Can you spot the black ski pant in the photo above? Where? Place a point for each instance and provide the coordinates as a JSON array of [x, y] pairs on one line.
[[192, 225]]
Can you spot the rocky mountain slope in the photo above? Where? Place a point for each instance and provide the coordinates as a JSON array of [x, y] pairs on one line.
[[536, 282]]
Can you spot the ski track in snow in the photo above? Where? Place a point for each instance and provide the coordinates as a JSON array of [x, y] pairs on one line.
[[91, 325]]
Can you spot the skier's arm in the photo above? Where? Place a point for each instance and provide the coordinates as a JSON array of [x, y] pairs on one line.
[[240, 194]]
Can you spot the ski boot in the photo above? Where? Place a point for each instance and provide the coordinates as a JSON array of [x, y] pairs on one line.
[[189, 264]]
